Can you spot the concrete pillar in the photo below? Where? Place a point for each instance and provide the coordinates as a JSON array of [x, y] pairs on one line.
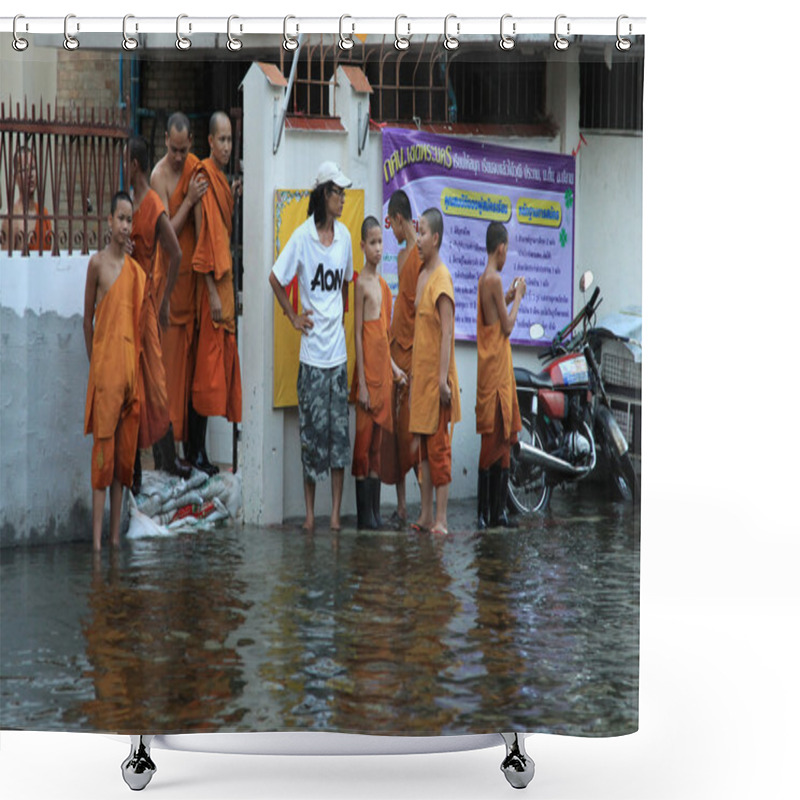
[[262, 426]]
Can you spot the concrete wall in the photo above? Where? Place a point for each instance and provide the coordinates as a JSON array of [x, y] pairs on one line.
[[45, 491], [608, 240]]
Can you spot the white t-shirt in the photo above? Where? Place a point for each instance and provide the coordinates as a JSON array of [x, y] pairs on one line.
[[320, 272]]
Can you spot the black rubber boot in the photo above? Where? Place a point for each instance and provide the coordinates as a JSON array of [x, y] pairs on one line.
[[136, 485], [375, 499], [499, 498], [366, 520], [158, 461], [483, 499], [170, 462], [197, 443]]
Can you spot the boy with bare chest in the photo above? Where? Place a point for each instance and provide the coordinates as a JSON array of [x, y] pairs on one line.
[[375, 372], [115, 286]]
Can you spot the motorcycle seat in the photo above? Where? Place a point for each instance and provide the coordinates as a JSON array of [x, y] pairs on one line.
[[532, 380]]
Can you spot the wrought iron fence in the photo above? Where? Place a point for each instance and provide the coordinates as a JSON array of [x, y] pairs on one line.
[[59, 169]]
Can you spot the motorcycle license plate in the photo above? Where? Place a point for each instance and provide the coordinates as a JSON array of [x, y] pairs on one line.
[[574, 370]]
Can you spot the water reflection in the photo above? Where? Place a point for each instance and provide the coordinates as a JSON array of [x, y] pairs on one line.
[[253, 629]]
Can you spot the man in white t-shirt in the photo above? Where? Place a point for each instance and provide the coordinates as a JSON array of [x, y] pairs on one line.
[[320, 254]]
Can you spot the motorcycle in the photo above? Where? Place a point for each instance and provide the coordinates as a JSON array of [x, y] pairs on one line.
[[568, 428]]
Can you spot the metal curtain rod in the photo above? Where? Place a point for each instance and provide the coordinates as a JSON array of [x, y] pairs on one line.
[[507, 27]]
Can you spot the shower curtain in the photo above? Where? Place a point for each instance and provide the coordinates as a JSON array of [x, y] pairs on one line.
[[218, 613]]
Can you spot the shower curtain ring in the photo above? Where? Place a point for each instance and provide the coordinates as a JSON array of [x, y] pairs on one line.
[[560, 43], [128, 42], [233, 44], [507, 41], [345, 40], [290, 39], [623, 44], [451, 42], [70, 42], [181, 42], [18, 43], [401, 42]]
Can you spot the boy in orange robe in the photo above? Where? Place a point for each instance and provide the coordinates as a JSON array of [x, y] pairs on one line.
[[217, 383], [497, 416], [25, 212], [112, 307], [174, 180], [151, 228], [435, 399], [397, 457], [375, 371]]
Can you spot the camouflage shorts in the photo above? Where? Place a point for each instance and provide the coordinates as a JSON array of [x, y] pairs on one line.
[[324, 420]]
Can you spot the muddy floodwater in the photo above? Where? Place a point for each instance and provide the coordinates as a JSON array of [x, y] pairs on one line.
[[270, 629]]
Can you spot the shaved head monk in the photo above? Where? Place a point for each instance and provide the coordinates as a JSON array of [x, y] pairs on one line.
[[112, 307], [217, 382], [180, 189], [435, 399], [397, 457], [497, 416], [151, 231], [26, 224], [374, 375]]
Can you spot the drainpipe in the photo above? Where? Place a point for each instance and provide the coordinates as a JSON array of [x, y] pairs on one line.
[[278, 129]]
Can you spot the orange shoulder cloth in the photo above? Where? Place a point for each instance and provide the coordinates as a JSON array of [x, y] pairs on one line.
[[212, 253]]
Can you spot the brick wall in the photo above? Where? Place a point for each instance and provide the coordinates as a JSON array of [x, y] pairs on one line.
[[88, 77], [169, 86]]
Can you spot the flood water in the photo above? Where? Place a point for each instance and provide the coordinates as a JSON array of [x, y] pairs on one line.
[[270, 629]]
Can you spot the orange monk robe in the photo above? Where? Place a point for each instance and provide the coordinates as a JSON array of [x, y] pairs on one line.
[[217, 382], [112, 402], [379, 378], [154, 417], [396, 456], [429, 416], [177, 341], [42, 236], [425, 402], [497, 416]]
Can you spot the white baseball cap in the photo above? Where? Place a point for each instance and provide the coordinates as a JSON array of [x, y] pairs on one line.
[[330, 171]]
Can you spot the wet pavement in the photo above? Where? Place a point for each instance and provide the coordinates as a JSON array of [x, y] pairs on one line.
[[269, 629]]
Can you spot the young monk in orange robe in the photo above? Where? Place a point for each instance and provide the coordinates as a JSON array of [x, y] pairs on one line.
[[112, 308], [150, 228], [435, 399], [174, 180], [217, 383], [397, 457], [375, 371], [25, 215], [497, 416]]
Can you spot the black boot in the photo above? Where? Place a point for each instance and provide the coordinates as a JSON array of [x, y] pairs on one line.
[[158, 461], [483, 499], [375, 499], [136, 485], [366, 520], [168, 458], [499, 498], [197, 443]]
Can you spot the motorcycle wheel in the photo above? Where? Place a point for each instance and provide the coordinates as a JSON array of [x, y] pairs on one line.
[[623, 475], [528, 490]]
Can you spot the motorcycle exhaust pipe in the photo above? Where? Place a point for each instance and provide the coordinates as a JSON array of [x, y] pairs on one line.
[[534, 455]]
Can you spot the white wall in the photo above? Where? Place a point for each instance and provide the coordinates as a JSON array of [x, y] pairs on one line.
[[608, 240]]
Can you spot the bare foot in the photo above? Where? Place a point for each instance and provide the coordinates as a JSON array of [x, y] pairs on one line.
[[308, 525]]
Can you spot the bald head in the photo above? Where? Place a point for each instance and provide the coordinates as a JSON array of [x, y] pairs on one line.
[[218, 118], [179, 123]]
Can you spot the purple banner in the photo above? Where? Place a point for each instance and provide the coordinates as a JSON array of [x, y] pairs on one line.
[[474, 183]]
